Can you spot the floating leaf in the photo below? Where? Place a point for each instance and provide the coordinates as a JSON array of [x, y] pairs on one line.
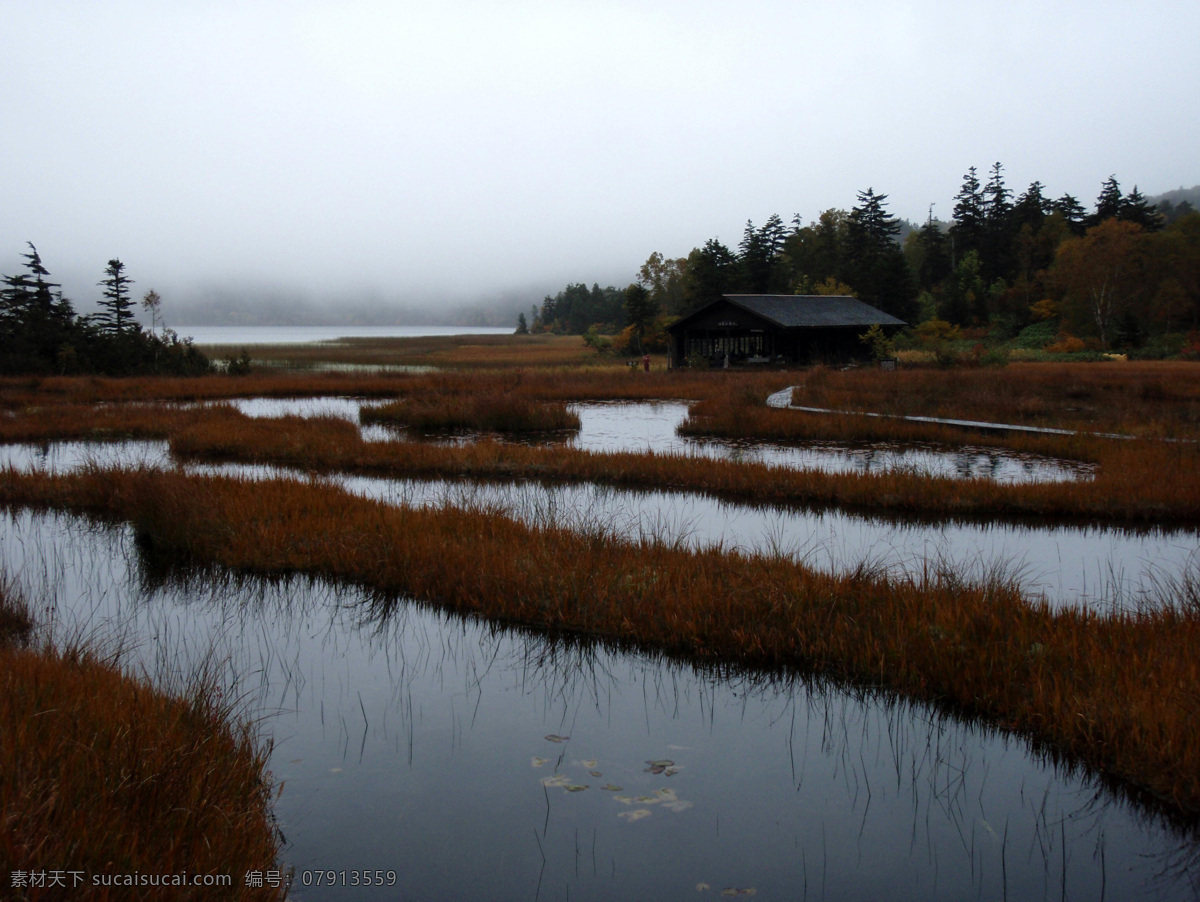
[[665, 795], [625, 800], [661, 763], [554, 737], [636, 815], [611, 788], [538, 762], [590, 764], [671, 771], [575, 787], [556, 780], [653, 769]]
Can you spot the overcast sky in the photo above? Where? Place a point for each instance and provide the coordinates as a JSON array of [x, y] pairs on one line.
[[444, 152]]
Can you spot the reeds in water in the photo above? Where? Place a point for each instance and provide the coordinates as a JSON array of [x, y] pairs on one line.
[[1114, 691], [104, 778]]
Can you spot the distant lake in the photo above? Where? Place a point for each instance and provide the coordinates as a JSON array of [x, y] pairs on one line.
[[290, 335]]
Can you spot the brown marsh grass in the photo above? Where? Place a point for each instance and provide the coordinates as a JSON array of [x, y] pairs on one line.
[[15, 622], [1147, 398], [1150, 398], [1136, 482], [1115, 691], [482, 412], [441, 351], [103, 775], [25, 397]]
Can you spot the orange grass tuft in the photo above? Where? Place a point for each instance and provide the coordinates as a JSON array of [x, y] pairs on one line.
[[1116, 691], [103, 775], [482, 412]]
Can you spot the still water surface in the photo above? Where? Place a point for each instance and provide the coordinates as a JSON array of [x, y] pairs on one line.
[[651, 427], [481, 762], [1092, 566], [288, 335]]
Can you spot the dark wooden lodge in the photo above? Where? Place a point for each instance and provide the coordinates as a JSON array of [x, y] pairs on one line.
[[777, 328]]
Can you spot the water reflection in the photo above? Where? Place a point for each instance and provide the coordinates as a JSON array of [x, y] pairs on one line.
[[651, 427], [1097, 567], [410, 740], [622, 426]]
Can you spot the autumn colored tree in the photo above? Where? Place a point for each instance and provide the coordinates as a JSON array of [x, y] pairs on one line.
[[664, 278], [1102, 275], [640, 311]]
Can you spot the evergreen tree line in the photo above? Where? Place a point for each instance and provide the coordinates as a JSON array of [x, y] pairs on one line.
[[41, 333], [1126, 271]]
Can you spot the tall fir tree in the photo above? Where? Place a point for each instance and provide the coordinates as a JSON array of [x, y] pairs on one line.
[[1108, 204], [966, 233], [116, 314], [874, 263], [934, 254], [1135, 208], [711, 272], [1072, 213], [996, 250], [1031, 208]]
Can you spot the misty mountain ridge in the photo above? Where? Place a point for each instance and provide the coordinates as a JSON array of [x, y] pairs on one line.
[[220, 307]]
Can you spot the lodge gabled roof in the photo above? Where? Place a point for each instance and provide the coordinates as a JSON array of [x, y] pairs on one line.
[[794, 311], [797, 310]]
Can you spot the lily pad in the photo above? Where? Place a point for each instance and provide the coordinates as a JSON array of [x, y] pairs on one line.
[[590, 763], [538, 762], [611, 788], [557, 780], [595, 773], [554, 737], [636, 815]]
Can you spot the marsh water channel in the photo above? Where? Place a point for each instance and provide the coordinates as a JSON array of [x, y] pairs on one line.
[[478, 761], [1096, 566]]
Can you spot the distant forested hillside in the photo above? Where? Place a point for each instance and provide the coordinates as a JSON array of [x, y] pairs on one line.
[[1191, 195]]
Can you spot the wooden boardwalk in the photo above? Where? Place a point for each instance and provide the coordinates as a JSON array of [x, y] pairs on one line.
[[782, 400]]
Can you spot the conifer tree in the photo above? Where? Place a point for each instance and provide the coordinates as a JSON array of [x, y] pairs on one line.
[[1108, 204], [117, 307], [966, 234], [1072, 212], [1134, 208]]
